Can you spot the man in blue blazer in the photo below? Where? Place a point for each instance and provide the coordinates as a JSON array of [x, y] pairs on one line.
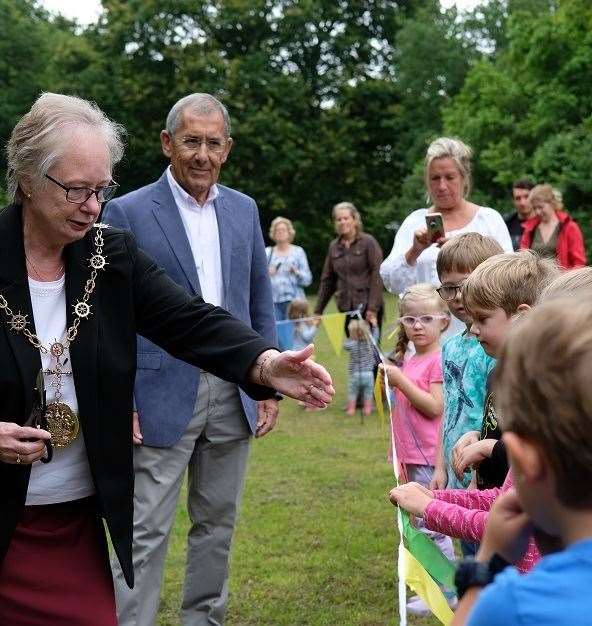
[[208, 239]]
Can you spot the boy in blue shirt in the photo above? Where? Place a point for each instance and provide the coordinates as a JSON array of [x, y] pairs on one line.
[[465, 365], [544, 393]]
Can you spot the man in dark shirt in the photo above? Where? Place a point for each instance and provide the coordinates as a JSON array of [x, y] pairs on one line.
[[520, 191]]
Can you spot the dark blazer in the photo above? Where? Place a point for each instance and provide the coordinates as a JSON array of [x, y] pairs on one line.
[[166, 388], [133, 295]]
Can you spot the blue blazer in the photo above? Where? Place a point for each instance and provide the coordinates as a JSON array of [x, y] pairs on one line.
[[166, 388]]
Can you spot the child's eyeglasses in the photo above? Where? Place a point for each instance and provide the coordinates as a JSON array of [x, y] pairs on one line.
[[425, 320], [448, 292]]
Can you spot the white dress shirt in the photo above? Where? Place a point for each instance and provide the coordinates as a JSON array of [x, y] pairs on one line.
[[201, 226]]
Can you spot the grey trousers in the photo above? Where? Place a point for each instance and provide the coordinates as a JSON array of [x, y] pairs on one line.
[[214, 450]]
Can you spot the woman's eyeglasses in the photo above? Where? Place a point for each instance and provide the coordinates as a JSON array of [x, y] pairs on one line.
[[409, 321], [78, 195]]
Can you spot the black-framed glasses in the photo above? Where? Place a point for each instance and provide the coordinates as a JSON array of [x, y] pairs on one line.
[[78, 195], [448, 292]]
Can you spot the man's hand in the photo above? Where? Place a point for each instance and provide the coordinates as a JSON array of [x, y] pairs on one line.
[[137, 437], [267, 414], [471, 455], [412, 497], [508, 529]]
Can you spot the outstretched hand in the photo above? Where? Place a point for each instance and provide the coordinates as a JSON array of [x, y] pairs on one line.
[[294, 374]]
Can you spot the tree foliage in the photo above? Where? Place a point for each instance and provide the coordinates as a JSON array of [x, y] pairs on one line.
[[330, 100]]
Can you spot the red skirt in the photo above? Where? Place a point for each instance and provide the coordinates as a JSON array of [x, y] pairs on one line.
[[57, 569]]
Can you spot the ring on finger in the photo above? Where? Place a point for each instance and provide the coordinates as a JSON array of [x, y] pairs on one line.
[[18, 458]]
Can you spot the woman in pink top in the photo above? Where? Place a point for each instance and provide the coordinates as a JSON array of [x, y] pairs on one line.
[[417, 383]]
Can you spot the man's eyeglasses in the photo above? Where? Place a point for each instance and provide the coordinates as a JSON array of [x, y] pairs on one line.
[[214, 145], [448, 292], [425, 320], [78, 195]]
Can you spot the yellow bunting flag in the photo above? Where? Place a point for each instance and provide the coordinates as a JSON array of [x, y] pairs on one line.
[[334, 324], [378, 390], [424, 586]]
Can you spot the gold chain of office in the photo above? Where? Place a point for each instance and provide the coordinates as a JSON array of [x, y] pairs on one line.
[[62, 422]]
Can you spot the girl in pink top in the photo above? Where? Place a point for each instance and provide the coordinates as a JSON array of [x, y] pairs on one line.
[[417, 384]]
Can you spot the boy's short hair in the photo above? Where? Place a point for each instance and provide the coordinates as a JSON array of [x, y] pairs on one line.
[[465, 252], [575, 280], [543, 390], [508, 280]]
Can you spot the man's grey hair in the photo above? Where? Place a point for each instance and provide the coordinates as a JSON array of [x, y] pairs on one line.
[[40, 136], [200, 104]]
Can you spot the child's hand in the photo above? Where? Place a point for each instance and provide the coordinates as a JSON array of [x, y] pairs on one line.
[[439, 479], [508, 529], [412, 497], [471, 455], [393, 374]]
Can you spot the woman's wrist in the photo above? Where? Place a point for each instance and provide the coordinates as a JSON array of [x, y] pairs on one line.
[[261, 369]]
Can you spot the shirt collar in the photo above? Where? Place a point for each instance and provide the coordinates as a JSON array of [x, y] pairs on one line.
[[182, 198]]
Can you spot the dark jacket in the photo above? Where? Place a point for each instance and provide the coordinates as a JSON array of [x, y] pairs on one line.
[[352, 274], [570, 252], [132, 295]]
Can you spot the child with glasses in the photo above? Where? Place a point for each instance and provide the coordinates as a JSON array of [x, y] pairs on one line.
[[417, 410]]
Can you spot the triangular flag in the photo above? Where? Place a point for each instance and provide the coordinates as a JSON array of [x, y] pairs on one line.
[[378, 395], [334, 325], [424, 586]]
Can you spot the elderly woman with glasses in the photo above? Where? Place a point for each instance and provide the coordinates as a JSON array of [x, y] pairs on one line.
[[73, 295]]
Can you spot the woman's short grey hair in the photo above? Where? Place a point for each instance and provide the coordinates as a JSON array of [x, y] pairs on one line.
[[200, 104], [40, 136], [349, 206], [450, 148]]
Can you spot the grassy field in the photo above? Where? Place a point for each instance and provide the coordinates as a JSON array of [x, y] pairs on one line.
[[315, 543]]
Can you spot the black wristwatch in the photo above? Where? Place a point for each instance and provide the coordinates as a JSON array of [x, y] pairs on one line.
[[472, 573]]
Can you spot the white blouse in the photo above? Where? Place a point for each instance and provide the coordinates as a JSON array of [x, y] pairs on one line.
[[397, 275]]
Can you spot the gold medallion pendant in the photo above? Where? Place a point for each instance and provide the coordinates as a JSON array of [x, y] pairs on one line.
[[62, 423]]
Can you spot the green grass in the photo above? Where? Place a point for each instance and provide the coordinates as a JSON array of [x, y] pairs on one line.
[[316, 538]]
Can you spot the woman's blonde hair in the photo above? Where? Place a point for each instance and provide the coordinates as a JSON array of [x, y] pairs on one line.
[[579, 279], [546, 193], [358, 330], [505, 281], [40, 136], [348, 206], [422, 292], [282, 220], [449, 148], [297, 309]]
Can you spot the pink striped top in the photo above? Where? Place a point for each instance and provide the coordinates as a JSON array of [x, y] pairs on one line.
[[463, 514]]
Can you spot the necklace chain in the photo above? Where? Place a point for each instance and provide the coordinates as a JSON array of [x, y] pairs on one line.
[[57, 274], [18, 322]]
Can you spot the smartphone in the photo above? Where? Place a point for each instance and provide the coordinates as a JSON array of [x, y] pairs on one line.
[[435, 225]]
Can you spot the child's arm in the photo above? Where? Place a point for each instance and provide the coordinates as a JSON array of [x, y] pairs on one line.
[[429, 403], [440, 476], [471, 455]]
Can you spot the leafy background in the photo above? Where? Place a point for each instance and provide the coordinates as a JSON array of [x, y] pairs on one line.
[[331, 100]]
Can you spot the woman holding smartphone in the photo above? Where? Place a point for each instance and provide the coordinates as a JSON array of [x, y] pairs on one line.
[[447, 177]]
